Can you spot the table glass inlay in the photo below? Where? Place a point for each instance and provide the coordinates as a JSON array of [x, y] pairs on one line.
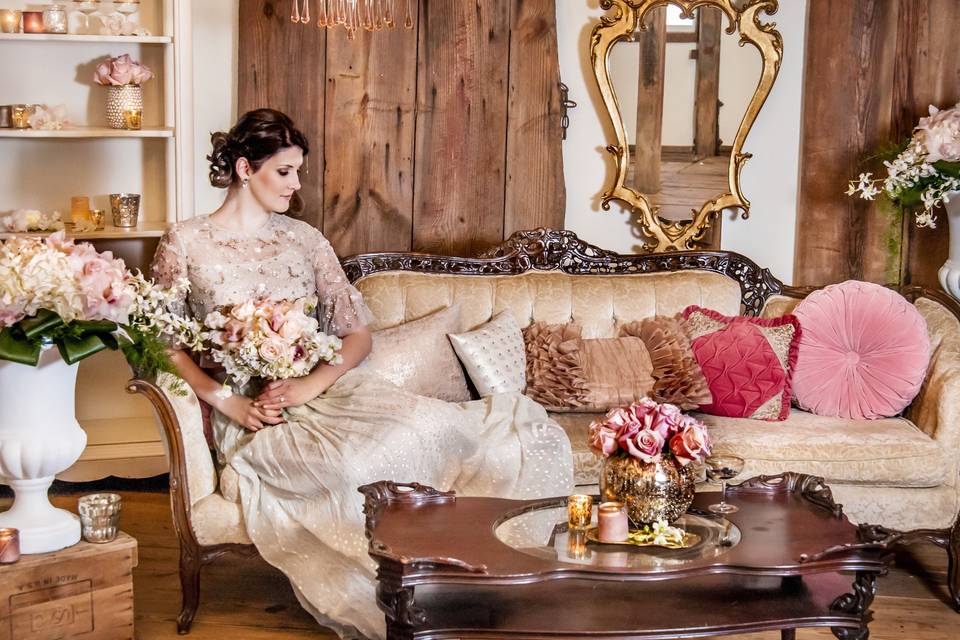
[[543, 532]]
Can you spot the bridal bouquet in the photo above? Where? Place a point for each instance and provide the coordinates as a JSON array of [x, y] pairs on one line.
[[269, 339], [54, 291], [924, 171], [649, 431]]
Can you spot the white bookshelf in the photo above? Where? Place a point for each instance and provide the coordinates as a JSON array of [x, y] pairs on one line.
[[44, 169]]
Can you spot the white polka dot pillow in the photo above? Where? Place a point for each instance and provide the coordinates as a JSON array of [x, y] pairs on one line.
[[493, 355]]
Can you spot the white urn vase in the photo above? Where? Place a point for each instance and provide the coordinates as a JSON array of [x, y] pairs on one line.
[[950, 271], [39, 438]]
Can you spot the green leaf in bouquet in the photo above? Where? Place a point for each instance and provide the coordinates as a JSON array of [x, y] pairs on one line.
[[44, 322], [951, 169], [74, 349], [18, 348]]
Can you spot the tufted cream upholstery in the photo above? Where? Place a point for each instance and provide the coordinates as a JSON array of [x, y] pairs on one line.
[[894, 472]]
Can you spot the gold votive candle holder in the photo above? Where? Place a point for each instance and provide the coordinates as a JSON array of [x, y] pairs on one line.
[[133, 118], [10, 20], [612, 523], [6, 116], [97, 217], [9, 545], [33, 21], [20, 116], [579, 510]]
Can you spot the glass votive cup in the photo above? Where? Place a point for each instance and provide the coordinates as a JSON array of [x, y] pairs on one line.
[[125, 208], [612, 524], [10, 20], [33, 21], [579, 510], [133, 119], [6, 116], [55, 19], [97, 217], [99, 517], [9, 545], [20, 116]]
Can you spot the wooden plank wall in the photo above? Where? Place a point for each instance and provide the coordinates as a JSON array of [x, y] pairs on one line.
[[445, 138], [899, 57]]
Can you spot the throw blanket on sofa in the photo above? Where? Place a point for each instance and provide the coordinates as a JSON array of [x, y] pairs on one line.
[[298, 481]]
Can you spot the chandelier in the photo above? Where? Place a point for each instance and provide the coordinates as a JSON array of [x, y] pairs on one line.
[[372, 15]]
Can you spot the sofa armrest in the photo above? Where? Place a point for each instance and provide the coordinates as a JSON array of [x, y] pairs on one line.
[[936, 409], [192, 473]]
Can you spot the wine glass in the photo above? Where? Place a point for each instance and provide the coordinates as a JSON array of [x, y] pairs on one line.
[[723, 468]]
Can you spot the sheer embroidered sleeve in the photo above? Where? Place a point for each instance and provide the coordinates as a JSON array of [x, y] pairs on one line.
[[342, 310], [170, 265]]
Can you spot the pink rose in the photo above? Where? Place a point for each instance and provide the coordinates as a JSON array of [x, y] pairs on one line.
[[102, 74], [666, 420], [603, 439], [619, 419], [141, 73], [941, 134], [644, 445], [690, 444], [234, 330], [121, 70], [272, 350], [11, 314]]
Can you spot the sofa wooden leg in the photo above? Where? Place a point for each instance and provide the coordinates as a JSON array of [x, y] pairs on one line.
[[189, 587], [953, 565]]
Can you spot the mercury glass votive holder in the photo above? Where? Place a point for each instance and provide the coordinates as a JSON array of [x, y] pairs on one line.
[[20, 116], [6, 116], [579, 510], [125, 208], [99, 517], [10, 20]]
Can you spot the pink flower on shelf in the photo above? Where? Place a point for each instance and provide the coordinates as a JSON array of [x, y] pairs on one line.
[[120, 71]]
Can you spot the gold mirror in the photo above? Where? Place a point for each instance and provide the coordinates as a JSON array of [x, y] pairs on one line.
[[682, 90]]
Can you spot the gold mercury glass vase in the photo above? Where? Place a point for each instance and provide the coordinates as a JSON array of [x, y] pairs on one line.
[[651, 491], [128, 97]]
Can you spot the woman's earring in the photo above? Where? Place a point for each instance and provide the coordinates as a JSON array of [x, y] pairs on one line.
[[244, 183]]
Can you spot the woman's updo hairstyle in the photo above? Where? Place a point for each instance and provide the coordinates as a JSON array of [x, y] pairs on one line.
[[256, 136]]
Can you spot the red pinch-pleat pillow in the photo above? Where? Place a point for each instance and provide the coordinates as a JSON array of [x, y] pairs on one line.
[[864, 351]]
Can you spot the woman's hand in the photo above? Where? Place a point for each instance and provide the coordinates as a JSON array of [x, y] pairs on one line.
[[248, 414], [291, 392]]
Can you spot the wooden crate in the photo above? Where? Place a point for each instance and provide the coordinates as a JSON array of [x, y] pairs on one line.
[[85, 591]]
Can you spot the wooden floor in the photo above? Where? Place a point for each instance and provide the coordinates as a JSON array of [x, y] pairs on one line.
[[248, 599]]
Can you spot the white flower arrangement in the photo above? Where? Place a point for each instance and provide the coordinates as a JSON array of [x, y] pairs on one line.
[[23, 220], [924, 172]]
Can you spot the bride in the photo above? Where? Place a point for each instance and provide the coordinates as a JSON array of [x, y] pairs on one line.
[[303, 445]]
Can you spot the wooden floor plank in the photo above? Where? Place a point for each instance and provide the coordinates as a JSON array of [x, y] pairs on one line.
[[247, 598]]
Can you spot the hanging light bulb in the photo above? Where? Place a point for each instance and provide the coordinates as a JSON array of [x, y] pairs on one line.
[[295, 13], [369, 15]]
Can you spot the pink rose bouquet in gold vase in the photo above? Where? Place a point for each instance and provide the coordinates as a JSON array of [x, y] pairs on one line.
[[647, 449], [123, 78], [268, 340]]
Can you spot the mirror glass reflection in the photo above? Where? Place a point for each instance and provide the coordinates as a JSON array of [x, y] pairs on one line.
[[683, 85]]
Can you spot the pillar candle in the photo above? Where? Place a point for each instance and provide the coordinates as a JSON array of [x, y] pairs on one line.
[[9, 546], [79, 208], [9, 20], [612, 523]]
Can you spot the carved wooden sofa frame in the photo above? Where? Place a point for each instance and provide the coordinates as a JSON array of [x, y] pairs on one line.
[[543, 250]]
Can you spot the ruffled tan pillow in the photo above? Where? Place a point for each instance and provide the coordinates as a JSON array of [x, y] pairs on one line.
[[618, 372], [554, 375], [676, 373]]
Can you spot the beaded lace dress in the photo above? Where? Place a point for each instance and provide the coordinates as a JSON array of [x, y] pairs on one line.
[[298, 480]]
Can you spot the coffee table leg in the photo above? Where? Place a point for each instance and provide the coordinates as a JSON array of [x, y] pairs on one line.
[[788, 634], [857, 603], [401, 612]]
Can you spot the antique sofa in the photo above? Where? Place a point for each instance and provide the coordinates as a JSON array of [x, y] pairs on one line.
[[899, 473]]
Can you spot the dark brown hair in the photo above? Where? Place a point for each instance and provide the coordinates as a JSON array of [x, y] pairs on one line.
[[256, 136]]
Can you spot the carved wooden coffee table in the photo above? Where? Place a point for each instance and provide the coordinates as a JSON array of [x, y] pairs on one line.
[[455, 567]]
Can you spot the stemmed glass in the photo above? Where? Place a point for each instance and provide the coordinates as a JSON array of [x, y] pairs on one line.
[[723, 468]]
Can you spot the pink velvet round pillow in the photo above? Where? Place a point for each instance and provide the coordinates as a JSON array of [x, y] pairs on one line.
[[863, 352]]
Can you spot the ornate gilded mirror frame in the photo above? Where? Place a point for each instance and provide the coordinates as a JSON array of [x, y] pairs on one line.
[[626, 17]]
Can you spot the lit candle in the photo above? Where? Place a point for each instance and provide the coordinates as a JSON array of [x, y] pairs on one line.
[[9, 20], [79, 208], [33, 21], [9, 546], [20, 116], [579, 510], [612, 523]]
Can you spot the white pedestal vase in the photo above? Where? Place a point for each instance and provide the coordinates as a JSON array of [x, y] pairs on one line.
[[950, 271], [39, 437]]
